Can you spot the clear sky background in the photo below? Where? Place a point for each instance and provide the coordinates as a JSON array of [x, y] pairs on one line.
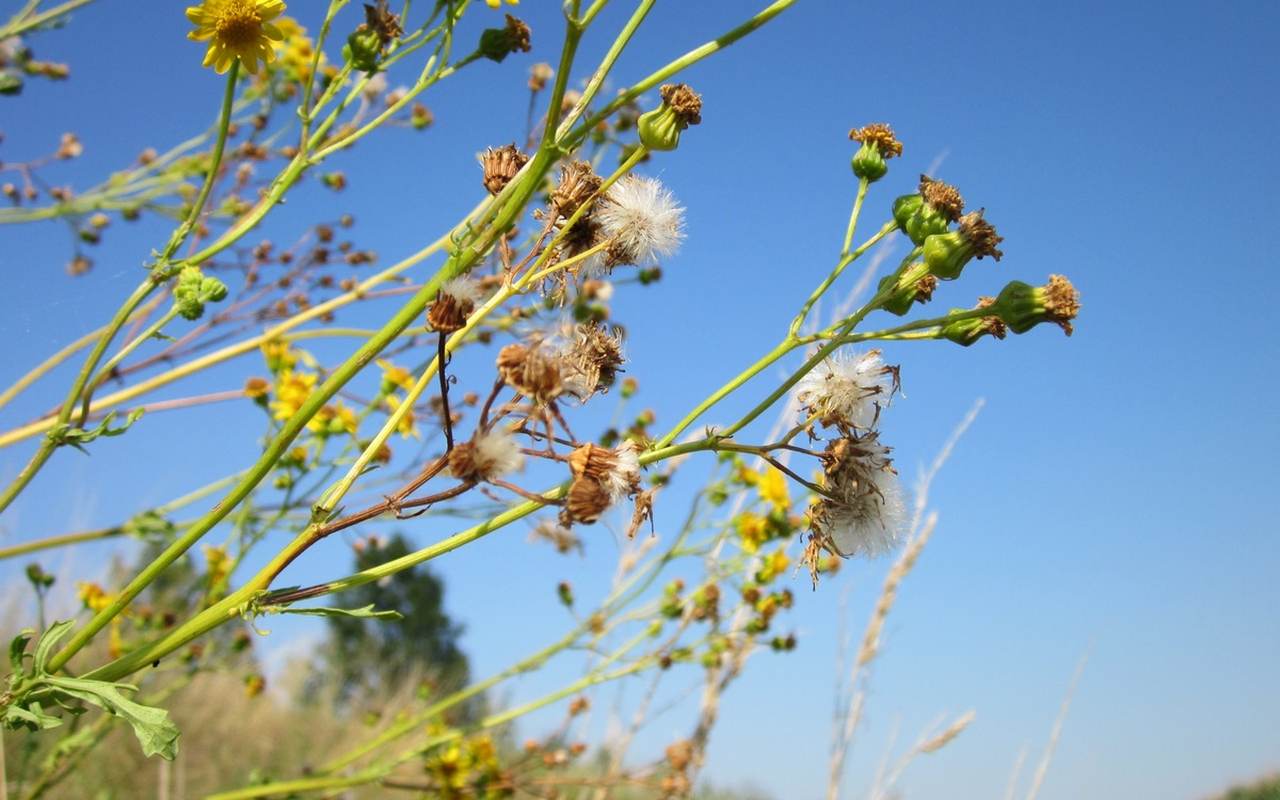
[[1116, 493]]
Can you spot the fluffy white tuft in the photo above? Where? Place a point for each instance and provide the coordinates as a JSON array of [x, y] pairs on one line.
[[871, 523], [642, 220], [463, 289], [624, 476], [497, 454], [849, 389]]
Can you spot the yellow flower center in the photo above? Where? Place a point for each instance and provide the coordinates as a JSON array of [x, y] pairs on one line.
[[238, 22]]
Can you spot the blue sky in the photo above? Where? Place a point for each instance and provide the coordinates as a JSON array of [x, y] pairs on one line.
[[1113, 494]]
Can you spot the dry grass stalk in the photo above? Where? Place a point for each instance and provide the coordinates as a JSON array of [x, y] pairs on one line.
[[1043, 767]]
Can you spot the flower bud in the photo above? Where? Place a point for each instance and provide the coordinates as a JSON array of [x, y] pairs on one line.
[[1022, 307], [967, 331], [565, 592], [660, 128], [194, 289], [915, 285], [930, 211], [364, 46], [878, 144], [947, 253], [498, 43]]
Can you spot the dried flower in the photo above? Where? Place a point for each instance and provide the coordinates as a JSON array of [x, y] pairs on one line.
[[848, 389], [564, 539], [498, 43], [617, 470], [578, 182], [641, 221], [454, 302], [539, 75], [531, 370], [967, 331], [487, 456], [878, 145], [586, 501], [236, 29], [501, 164], [591, 359]]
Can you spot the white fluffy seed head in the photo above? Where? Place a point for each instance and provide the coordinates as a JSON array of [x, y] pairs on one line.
[[624, 475], [466, 291], [641, 220], [497, 454], [865, 516], [847, 389]]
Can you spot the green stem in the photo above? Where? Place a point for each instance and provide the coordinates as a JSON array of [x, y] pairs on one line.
[[105, 372], [22, 23]]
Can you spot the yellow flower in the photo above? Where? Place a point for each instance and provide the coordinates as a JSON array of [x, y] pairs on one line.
[[278, 355], [773, 489], [236, 29], [218, 561], [407, 426], [498, 3], [295, 51], [753, 529], [334, 419], [393, 376], [292, 390], [774, 565], [94, 597]]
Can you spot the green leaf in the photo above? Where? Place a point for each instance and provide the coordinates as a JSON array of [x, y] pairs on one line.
[[155, 731], [18, 648], [78, 437], [48, 641], [367, 612], [15, 717]]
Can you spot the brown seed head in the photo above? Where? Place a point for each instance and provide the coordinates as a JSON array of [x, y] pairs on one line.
[[532, 371], [578, 182], [992, 325], [881, 136], [501, 164], [586, 501], [539, 75], [684, 101], [942, 197], [518, 35], [383, 22], [981, 234], [925, 287]]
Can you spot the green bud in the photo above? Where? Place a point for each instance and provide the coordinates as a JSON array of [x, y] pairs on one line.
[[660, 128], [194, 289], [967, 331], [565, 592], [948, 253], [1022, 307], [915, 285], [364, 47], [868, 164], [39, 578], [655, 628], [498, 43], [10, 83], [930, 211]]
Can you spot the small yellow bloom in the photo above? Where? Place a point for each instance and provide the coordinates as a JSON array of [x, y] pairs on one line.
[[292, 390], [278, 355], [773, 489], [407, 426], [498, 3], [774, 565], [218, 561], [94, 597], [753, 530], [395, 376], [236, 29]]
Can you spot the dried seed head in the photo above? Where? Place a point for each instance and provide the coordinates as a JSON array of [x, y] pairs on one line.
[[586, 501], [539, 75], [863, 513], [848, 390], [531, 370], [578, 182], [383, 22], [487, 456], [642, 221], [880, 136], [618, 470], [942, 197], [454, 302], [591, 360], [981, 235], [501, 164], [925, 288], [685, 102]]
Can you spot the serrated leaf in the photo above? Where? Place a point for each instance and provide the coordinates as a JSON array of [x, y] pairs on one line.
[[155, 731]]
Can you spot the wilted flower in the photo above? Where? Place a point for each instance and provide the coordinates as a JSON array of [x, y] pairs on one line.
[[617, 470], [500, 165], [236, 29], [532, 370], [590, 359], [848, 389], [454, 302], [641, 221], [564, 539]]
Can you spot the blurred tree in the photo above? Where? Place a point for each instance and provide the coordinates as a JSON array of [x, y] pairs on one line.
[[376, 657]]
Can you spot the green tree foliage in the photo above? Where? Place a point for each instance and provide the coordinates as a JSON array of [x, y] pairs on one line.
[[374, 656]]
